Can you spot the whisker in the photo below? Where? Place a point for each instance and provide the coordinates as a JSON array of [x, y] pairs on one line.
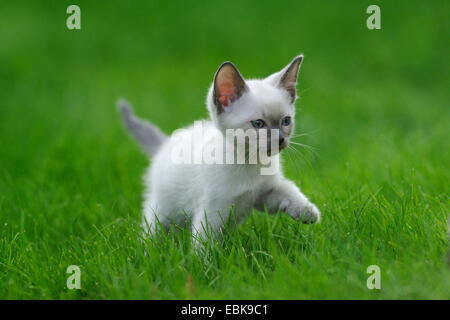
[[309, 133], [293, 160], [297, 153], [301, 135], [311, 148]]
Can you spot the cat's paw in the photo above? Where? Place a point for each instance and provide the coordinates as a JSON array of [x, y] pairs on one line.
[[311, 214], [306, 213]]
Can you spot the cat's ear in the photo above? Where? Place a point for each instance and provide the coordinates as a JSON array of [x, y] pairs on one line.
[[287, 77], [228, 86]]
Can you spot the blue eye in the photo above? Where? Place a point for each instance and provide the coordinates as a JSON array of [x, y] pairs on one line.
[[258, 124], [286, 121]]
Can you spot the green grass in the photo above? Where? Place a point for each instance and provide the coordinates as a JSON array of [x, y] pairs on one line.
[[374, 102]]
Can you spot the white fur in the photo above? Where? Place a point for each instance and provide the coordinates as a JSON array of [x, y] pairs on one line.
[[207, 192]]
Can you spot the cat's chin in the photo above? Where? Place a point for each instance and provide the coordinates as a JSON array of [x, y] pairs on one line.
[[281, 148], [271, 154]]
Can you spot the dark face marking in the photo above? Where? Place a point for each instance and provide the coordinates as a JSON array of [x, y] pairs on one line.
[[284, 132]]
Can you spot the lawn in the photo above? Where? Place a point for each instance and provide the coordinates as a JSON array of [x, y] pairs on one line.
[[374, 105]]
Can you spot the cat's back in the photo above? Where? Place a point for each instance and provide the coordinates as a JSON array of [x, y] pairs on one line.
[[179, 165], [185, 146]]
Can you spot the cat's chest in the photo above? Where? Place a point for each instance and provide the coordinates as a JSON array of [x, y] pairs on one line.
[[245, 201], [236, 185], [243, 181], [247, 189]]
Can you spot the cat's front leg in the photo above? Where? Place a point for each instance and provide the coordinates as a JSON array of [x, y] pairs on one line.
[[218, 216], [285, 196], [204, 227], [207, 224]]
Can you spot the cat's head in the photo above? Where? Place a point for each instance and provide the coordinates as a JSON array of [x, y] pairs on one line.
[[235, 103]]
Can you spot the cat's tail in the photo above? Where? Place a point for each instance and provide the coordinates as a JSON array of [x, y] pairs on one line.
[[149, 136]]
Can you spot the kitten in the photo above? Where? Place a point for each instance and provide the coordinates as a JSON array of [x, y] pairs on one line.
[[208, 193]]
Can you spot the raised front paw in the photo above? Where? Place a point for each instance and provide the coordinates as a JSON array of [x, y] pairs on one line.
[[307, 213]]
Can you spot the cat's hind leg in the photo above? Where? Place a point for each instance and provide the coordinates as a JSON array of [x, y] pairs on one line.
[[209, 225], [154, 219]]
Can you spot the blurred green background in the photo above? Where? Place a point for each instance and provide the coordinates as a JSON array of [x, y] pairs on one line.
[[374, 102]]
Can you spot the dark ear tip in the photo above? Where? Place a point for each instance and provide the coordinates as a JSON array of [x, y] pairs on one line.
[[299, 57], [227, 63]]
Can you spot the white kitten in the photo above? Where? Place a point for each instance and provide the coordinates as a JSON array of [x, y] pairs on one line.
[[207, 193]]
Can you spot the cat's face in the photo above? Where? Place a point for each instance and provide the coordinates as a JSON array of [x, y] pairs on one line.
[[260, 105]]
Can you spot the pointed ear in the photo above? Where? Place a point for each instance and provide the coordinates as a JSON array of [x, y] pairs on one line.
[[228, 86], [287, 77]]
